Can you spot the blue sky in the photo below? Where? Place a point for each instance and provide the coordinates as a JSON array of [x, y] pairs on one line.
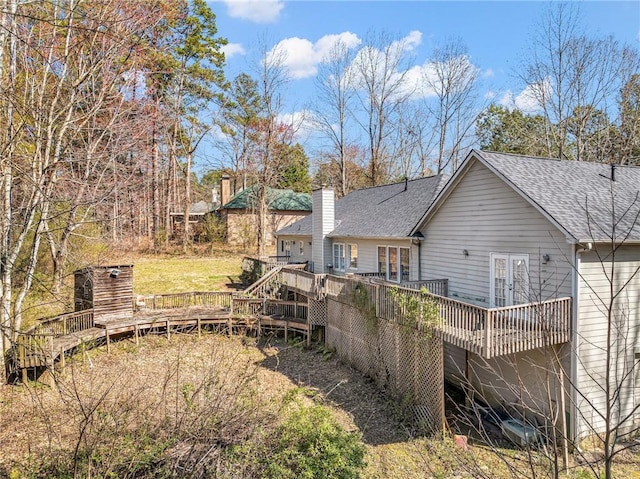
[[497, 34]]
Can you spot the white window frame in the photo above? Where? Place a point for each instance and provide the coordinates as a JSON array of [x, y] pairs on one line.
[[350, 247], [400, 249], [386, 259], [287, 248], [301, 246], [508, 292], [340, 264], [398, 263]]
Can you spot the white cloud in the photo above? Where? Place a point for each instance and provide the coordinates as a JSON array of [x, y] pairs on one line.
[[488, 73], [301, 122], [528, 100], [411, 41], [422, 81], [232, 49], [258, 11], [300, 57]]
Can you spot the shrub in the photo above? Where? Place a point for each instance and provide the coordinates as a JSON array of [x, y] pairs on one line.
[[310, 444]]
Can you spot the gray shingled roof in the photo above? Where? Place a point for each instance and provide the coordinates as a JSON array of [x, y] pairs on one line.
[[386, 211], [576, 195]]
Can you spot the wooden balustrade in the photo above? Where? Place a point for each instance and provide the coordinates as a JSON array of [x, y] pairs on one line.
[[487, 332], [439, 287], [184, 300], [302, 281], [287, 309], [247, 306]]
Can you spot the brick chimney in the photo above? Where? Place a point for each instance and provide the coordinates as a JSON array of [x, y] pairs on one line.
[[323, 221], [225, 189]]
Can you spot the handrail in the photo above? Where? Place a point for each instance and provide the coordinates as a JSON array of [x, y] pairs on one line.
[[183, 300]]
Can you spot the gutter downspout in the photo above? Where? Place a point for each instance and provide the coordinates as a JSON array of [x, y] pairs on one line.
[[417, 238], [578, 250]]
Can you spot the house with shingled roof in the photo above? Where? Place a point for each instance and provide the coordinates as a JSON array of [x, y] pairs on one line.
[[363, 233], [239, 213], [510, 230], [541, 258]]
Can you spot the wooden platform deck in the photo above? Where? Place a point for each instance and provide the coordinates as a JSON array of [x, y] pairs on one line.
[[44, 350]]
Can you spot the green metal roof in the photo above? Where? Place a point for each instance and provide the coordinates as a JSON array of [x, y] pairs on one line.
[[279, 200]]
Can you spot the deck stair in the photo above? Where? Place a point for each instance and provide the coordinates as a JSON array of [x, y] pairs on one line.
[[264, 284]]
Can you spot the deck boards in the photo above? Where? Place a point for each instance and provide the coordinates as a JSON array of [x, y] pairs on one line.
[[164, 320]]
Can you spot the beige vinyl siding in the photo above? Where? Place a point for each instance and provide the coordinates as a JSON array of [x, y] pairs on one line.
[[454, 363], [368, 254], [296, 257], [594, 295], [528, 376], [484, 215]]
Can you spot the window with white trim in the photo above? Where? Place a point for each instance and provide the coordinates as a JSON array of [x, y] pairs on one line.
[[301, 248], [352, 256], [394, 263], [404, 264], [287, 248], [338, 256], [382, 261]]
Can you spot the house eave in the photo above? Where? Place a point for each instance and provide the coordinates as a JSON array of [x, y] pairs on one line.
[[376, 238]]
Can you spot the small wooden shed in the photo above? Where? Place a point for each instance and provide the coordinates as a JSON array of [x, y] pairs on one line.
[[106, 289]]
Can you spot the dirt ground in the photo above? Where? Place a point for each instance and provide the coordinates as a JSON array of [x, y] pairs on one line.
[[36, 417]]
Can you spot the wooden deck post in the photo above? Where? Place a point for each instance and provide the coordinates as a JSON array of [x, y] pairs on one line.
[[286, 330], [168, 330], [230, 326], [135, 333], [106, 334], [62, 358], [488, 332], [199, 322]]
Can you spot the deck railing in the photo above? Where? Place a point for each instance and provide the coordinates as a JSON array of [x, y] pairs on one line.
[[435, 286], [287, 309], [488, 332], [36, 342], [63, 324], [263, 264], [184, 300], [301, 281], [247, 306]]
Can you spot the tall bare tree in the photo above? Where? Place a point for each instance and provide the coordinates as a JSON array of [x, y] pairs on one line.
[[335, 91], [452, 81], [381, 80], [572, 77]]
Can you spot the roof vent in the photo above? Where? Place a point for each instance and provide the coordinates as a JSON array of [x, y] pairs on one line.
[[613, 173]]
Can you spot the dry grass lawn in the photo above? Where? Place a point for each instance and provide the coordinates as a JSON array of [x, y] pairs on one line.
[[149, 385], [245, 384]]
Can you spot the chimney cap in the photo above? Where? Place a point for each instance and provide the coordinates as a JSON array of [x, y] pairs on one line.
[[225, 176]]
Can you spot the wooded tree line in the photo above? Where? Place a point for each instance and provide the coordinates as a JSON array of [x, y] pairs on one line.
[[101, 103], [106, 103]]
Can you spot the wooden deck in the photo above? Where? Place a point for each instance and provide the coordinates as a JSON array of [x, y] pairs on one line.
[[488, 332], [47, 343]]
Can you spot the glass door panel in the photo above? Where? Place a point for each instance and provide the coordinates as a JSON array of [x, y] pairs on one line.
[[393, 264]]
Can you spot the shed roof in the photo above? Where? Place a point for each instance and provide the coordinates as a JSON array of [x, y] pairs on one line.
[[387, 211], [279, 200], [580, 198]]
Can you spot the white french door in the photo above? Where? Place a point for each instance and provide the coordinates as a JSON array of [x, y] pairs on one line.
[[509, 279]]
